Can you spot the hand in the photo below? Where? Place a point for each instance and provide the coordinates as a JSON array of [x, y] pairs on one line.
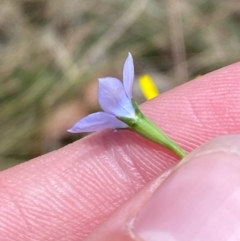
[[132, 183]]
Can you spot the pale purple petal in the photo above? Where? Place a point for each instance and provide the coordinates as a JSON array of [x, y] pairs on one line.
[[128, 75], [113, 99], [96, 122]]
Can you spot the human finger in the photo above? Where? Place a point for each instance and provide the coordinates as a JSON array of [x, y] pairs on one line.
[[198, 199]]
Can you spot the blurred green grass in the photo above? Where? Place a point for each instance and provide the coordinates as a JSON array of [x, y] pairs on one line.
[[53, 51]]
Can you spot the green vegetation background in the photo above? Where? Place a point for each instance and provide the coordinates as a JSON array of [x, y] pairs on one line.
[[53, 51]]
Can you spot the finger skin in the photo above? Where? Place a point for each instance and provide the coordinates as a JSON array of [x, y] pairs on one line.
[[200, 199], [64, 195], [197, 199]]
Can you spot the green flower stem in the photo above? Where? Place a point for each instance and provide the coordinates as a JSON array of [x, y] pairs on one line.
[[145, 127]]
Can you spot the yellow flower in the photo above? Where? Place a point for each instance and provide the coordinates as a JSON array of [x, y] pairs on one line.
[[148, 87]]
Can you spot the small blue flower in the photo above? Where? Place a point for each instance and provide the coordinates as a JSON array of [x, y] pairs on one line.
[[120, 111], [115, 98]]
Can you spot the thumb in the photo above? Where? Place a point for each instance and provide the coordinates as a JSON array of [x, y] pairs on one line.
[[198, 199]]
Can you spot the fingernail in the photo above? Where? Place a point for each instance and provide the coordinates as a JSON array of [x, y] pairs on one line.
[[199, 200]]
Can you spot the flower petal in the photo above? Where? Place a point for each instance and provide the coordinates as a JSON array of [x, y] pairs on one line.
[[128, 75], [97, 121], [112, 98]]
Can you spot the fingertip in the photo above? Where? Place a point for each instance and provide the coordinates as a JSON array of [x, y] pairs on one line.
[[203, 191]]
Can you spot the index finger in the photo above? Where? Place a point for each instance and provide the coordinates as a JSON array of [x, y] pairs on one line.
[[63, 195]]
